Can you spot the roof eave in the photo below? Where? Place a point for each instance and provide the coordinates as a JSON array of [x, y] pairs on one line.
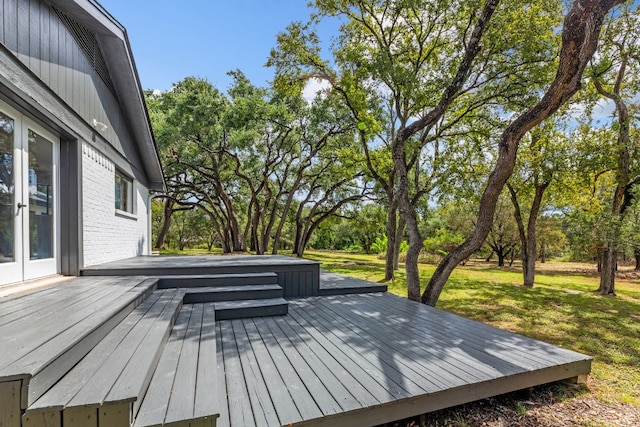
[[114, 44]]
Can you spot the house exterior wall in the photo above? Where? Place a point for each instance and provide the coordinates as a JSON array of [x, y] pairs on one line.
[[69, 88], [35, 34], [110, 235]]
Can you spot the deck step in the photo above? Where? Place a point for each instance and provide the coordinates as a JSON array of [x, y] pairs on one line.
[[183, 390], [206, 280], [57, 337], [117, 371], [231, 293], [251, 308]]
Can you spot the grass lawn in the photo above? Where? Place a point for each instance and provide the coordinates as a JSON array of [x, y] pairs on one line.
[[561, 309]]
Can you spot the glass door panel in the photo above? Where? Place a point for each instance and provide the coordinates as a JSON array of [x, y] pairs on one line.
[[11, 249], [7, 190], [41, 197]]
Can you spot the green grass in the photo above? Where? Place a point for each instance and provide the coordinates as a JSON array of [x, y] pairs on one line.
[[561, 309], [190, 251]]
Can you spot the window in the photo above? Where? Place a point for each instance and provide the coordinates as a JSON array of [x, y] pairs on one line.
[[124, 192]]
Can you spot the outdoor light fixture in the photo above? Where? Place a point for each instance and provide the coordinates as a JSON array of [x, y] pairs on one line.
[[101, 127]]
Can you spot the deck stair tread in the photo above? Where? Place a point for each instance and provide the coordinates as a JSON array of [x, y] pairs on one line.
[[46, 349], [196, 280], [118, 369], [232, 293], [251, 308], [183, 387]]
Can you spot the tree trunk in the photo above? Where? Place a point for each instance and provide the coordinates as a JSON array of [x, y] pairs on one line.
[[636, 255], [166, 223], [543, 252], [408, 212], [501, 256], [610, 258], [398, 243], [389, 271], [579, 41], [524, 253], [608, 274]]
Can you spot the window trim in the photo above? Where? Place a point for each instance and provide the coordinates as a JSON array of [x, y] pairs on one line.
[[129, 210]]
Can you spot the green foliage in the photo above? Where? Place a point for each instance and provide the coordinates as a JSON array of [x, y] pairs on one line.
[[380, 245]]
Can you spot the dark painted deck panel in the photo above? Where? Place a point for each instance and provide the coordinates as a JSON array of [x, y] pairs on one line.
[[340, 360], [371, 359], [298, 277]]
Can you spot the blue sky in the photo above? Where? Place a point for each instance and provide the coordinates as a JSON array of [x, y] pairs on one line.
[[205, 38]]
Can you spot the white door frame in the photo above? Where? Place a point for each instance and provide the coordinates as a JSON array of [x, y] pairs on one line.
[[23, 268]]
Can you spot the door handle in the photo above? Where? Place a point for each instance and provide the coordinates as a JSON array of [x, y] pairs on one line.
[[21, 205]]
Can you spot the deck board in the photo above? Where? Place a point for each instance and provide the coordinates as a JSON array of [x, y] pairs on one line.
[[154, 407], [320, 397], [495, 342], [67, 388], [410, 345], [182, 399], [278, 389], [261, 403], [375, 358], [49, 346], [207, 393], [302, 398]]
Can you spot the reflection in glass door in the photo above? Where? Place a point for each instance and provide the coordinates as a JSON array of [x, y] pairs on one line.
[[28, 199], [41, 192], [10, 230]]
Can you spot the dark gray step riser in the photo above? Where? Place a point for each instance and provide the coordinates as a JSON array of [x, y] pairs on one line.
[[246, 312], [194, 282], [213, 296]]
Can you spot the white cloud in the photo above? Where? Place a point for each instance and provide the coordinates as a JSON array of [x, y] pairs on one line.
[[312, 88]]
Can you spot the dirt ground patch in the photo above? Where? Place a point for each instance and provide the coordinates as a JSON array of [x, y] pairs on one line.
[[552, 405]]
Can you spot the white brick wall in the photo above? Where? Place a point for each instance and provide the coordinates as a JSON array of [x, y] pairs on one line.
[[108, 236]]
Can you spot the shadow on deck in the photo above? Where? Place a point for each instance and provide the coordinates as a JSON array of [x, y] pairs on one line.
[[230, 341]]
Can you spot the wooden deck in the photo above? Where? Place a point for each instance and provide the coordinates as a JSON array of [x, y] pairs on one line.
[[369, 359], [338, 284], [298, 277], [46, 332], [104, 351]]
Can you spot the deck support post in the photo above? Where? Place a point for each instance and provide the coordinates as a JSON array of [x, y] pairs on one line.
[[580, 379], [114, 415], [10, 408], [42, 419]]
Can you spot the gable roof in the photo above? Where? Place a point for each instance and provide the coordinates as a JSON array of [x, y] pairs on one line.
[[114, 44]]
